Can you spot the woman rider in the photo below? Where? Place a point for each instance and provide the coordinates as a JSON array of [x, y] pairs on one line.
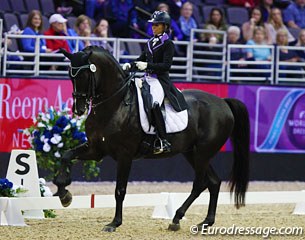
[[156, 60]]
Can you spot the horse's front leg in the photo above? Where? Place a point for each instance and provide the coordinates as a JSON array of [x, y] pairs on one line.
[[63, 175], [123, 169]]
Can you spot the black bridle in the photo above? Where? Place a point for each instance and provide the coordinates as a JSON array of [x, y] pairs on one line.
[[91, 96]]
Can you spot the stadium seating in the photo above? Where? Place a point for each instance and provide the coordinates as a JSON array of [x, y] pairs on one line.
[[237, 15]]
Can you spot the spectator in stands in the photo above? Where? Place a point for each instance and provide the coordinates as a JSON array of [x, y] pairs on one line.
[[124, 17], [145, 9], [34, 27], [294, 14], [174, 31], [175, 7], [244, 3], [285, 54], [82, 28], [265, 7], [97, 9], [236, 54], [186, 21], [216, 22], [275, 24], [234, 38], [57, 26], [259, 54], [67, 7], [301, 43], [101, 30], [255, 20]]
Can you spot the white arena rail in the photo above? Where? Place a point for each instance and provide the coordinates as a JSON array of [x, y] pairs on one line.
[[249, 70], [289, 75], [165, 204]]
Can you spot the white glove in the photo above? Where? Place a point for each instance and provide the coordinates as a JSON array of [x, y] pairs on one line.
[[126, 66], [141, 65]]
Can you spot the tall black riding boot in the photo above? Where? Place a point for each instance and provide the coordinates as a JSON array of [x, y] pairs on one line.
[[161, 144]]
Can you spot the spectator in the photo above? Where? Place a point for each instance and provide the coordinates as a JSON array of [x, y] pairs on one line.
[[216, 22], [34, 26], [233, 38], [301, 43], [285, 54], [174, 31], [57, 27], [265, 7], [294, 14], [124, 17], [275, 24], [186, 21], [174, 7], [244, 3], [67, 7], [259, 54], [145, 10], [97, 9], [236, 54], [101, 30], [255, 20], [82, 28]]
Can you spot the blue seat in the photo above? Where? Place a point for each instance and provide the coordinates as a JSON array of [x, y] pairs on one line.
[[47, 7], [237, 15], [18, 6]]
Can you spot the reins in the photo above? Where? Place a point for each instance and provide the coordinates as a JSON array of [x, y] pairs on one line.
[[128, 81]]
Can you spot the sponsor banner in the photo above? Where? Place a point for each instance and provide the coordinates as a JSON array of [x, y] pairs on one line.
[[277, 114], [21, 100]]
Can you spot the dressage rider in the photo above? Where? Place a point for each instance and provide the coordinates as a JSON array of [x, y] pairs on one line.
[[156, 60]]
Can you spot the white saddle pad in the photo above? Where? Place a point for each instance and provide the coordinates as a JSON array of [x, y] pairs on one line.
[[174, 121]]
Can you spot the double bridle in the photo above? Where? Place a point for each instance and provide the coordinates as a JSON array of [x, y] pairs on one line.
[[90, 96]]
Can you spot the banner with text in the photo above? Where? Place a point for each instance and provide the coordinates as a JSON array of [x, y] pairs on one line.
[[277, 114]]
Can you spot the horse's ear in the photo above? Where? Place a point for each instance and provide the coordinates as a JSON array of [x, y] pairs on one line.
[[64, 52]]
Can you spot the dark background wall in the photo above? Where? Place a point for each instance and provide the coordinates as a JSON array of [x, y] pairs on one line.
[[264, 167]]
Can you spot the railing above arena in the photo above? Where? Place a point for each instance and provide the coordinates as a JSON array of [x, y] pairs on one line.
[[193, 61]]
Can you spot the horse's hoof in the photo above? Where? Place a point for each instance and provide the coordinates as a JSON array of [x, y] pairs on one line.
[[109, 229], [174, 227], [204, 225], [66, 199]]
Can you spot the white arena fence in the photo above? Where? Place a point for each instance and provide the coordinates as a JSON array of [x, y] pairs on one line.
[[194, 61]]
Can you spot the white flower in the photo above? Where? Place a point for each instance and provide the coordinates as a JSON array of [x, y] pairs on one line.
[[57, 154], [42, 137], [46, 147], [60, 145], [56, 139], [47, 192], [67, 127], [42, 181], [40, 124], [73, 120], [45, 140], [26, 132], [49, 127]]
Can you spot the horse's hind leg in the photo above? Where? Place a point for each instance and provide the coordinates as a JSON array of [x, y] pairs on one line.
[[213, 186], [200, 183]]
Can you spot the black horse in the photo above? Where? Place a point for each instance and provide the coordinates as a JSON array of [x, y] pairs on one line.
[[113, 129]]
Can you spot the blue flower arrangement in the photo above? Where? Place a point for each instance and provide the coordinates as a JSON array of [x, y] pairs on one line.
[[55, 132], [8, 189]]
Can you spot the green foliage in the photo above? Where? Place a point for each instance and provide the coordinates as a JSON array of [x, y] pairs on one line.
[[54, 132]]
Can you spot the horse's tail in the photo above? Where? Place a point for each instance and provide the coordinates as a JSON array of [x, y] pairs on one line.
[[240, 140]]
